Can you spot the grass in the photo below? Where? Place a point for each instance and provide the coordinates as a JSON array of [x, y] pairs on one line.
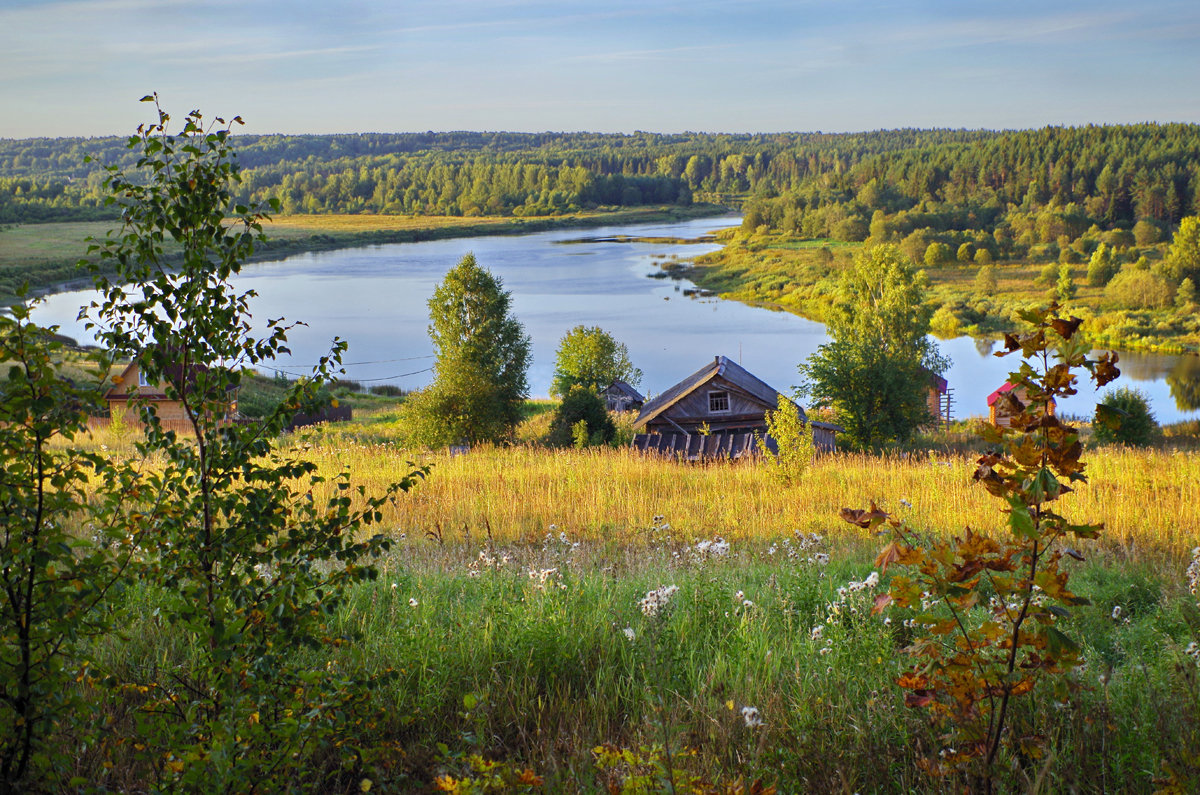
[[550, 672], [503, 606]]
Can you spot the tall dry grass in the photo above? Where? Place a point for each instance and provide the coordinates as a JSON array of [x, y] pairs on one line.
[[1149, 500]]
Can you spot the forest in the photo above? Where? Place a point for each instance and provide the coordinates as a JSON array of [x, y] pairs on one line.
[[1009, 190]]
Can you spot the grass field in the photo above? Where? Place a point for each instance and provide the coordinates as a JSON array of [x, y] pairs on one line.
[[509, 611]]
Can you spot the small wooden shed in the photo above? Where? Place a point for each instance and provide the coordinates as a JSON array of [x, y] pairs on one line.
[[723, 403], [1001, 408], [620, 396]]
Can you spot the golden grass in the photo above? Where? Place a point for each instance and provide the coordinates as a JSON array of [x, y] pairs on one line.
[[1148, 499]]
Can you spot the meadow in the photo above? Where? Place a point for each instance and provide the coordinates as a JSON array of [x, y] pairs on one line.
[[517, 642]]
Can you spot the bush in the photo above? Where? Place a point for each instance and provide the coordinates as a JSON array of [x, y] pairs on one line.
[[1134, 288], [1124, 417], [581, 406]]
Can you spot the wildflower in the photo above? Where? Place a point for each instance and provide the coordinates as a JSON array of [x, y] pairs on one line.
[[751, 717], [826, 649], [906, 503], [746, 603], [1116, 613], [655, 601], [739, 596], [821, 559], [817, 631], [364, 785], [771, 550], [412, 601], [872, 579], [394, 586], [630, 635]]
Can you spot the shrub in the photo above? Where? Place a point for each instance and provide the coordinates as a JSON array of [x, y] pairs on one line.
[[584, 406], [1134, 288], [1124, 417]]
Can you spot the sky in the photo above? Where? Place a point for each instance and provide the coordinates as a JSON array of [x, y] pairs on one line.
[[78, 67]]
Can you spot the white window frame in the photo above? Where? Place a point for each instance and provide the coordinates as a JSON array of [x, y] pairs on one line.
[[718, 394], [142, 381]]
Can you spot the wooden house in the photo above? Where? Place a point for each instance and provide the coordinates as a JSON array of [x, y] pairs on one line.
[[620, 396], [1001, 406], [132, 385], [719, 410], [938, 399]]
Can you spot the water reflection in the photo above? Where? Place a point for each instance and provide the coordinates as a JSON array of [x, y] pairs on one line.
[[1184, 380]]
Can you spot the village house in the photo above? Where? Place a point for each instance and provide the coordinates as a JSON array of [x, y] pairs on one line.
[[717, 411], [132, 386], [620, 396], [1001, 411]]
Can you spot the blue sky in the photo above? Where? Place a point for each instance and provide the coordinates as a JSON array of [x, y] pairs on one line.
[[77, 67]]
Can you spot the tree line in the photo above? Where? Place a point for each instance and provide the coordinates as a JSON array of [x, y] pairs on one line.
[[1046, 182]]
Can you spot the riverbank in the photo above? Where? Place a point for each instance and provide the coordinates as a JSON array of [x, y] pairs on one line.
[[778, 271], [46, 256]]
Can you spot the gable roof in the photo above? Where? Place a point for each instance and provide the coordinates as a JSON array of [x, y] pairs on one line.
[[720, 366], [1007, 387], [619, 387]]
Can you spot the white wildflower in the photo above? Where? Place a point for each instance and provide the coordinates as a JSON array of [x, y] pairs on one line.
[[817, 631], [751, 717], [630, 635], [412, 601], [1116, 612], [739, 596], [395, 586], [872, 579], [905, 503], [821, 559], [655, 601], [746, 603]]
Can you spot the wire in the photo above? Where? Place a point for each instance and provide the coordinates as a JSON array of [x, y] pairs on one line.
[[360, 380]]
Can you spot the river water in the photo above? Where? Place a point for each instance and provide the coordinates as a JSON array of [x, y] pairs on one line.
[[375, 298]]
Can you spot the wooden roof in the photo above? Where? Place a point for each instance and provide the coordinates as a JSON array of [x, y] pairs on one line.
[[722, 367], [623, 389]]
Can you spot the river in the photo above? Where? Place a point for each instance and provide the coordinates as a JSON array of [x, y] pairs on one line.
[[375, 298]]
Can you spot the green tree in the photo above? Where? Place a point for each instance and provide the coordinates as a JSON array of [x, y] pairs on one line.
[[588, 356], [581, 405], [242, 557], [483, 354], [1123, 416], [875, 372], [56, 585], [985, 279], [1101, 266], [1047, 276], [1185, 296], [965, 252], [936, 254], [1065, 287], [1183, 258], [795, 449]]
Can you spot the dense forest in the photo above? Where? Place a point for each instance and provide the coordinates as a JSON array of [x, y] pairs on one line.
[[1008, 190]]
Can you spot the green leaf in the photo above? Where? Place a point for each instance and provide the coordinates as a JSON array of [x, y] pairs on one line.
[[1058, 643], [1020, 520]]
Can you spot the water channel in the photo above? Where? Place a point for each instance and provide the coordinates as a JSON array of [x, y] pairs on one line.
[[375, 298]]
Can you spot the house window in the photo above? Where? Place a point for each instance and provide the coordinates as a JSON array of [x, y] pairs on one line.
[[718, 402], [142, 378]]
